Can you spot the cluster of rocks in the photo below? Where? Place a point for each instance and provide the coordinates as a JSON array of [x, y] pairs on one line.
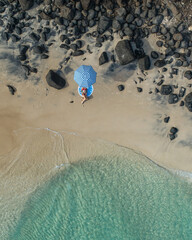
[[132, 20]]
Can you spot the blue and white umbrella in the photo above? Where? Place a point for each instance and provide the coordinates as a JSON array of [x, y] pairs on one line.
[[85, 76]]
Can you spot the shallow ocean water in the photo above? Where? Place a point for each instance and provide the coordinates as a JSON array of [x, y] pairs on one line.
[[109, 198]]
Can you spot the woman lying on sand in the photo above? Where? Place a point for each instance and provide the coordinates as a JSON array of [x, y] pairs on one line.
[[84, 94]]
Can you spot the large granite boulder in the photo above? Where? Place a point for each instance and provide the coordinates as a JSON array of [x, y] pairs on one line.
[[124, 52], [103, 24], [144, 63], [188, 101], [26, 4], [54, 80]]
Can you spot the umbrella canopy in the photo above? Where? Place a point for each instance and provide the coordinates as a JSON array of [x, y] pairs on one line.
[[85, 76]]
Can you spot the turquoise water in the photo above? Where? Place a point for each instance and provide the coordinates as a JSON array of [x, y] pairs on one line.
[[109, 198]]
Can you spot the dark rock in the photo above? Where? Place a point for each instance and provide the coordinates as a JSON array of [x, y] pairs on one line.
[[44, 36], [159, 43], [121, 87], [154, 55], [67, 13], [166, 89], [179, 63], [166, 119], [73, 47], [178, 37], [44, 56], [23, 49], [139, 53], [157, 20], [26, 68], [144, 63], [85, 4], [188, 101], [92, 23], [182, 92], [26, 4], [79, 43], [38, 49], [78, 53], [164, 69], [34, 36], [163, 30], [12, 89], [33, 70], [98, 44], [18, 30], [22, 57], [182, 103], [188, 75], [128, 32], [116, 25], [103, 24], [67, 41], [124, 52], [59, 3], [173, 98], [172, 136], [139, 89], [174, 130], [130, 17], [174, 71], [91, 14], [76, 31], [160, 63], [54, 80], [155, 29], [139, 22], [152, 13], [121, 12], [65, 46], [63, 37], [156, 90], [15, 38], [103, 58], [59, 20], [160, 82], [5, 36], [45, 16]]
